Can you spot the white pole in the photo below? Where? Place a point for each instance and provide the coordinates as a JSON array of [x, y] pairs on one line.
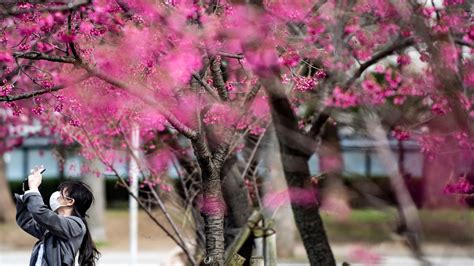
[[133, 205]]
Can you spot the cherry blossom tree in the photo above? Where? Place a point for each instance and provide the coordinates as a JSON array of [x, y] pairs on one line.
[[212, 72]]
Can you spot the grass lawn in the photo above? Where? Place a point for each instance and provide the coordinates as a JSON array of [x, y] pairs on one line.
[[439, 226]]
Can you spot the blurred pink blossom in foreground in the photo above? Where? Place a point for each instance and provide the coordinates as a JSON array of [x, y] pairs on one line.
[[363, 255], [299, 196]]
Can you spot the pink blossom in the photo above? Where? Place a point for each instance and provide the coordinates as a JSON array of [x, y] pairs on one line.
[[290, 58], [450, 55], [430, 144], [220, 114], [428, 11], [463, 140], [470, 33], [399, 100], [74, 122], [440, 106], [304, 83], [400, 134], [182, 62], [262, 58], [342, 99], [465, 102], [404, 59], [469, 75], [364, 255], [453, 2], [299, 196], [260, 108], [86, 28], [6, 57], [66, 37], [46, 22], [45, 47], [211, 206], [461, 186]]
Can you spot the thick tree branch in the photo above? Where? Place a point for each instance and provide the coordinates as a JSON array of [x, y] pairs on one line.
[[229, 55], [206, 86], [34, 55], [399, 45], [285, 120], [124, 6], [30, 94], [318, 124], [69, 7], [35, 93], [218, 78], [463, 43], [294, 157]]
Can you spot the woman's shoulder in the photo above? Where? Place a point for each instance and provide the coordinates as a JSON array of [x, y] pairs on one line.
[[79, 221]]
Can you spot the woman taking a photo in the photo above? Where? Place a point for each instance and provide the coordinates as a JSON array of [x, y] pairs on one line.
[[62, 231]]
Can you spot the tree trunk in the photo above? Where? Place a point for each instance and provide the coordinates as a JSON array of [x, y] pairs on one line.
[[96, 213], [212, 205], [7, 208], [294, 158], [238, 206], [307, 218]]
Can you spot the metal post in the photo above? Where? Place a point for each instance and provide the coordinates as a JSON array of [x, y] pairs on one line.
[[368, 163], [133, 205]]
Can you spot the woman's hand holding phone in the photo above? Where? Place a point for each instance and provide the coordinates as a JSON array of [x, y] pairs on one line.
[[33, 181]]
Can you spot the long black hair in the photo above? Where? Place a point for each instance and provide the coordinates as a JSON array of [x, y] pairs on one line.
[[83, 198]]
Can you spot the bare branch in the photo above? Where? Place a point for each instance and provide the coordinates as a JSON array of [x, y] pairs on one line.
[[206, 86], [38, 92], [30, 94], [318, 124], [463, 43], [34, 55], [124, 6], [399, 45], [69, 7], [218, 78], [236, 56]]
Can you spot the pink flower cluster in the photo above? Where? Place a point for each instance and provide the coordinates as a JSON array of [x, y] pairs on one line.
[[375, 92], [364, 255], [400, 134], [220, 114], [403, 59], [289, 58], [304, 84], [440, 106], [453, 2], [299, 196], [6, 57], [461, 186], [464, 142], [430, 144], [341, 98]]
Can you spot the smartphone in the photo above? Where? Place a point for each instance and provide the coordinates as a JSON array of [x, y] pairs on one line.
[[25, 182]]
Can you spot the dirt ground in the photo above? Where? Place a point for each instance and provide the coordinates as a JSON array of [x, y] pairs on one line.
[[151, 237]]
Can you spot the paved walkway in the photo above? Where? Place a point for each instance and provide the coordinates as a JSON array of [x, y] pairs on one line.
[[14, 258]]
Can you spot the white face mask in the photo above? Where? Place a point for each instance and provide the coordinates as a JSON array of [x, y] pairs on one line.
[[54, 201]]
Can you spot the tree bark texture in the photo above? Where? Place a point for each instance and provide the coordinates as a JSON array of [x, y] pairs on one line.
[[296, 170]]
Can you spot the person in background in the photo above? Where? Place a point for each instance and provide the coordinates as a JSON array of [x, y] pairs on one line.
[[62, 231]]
